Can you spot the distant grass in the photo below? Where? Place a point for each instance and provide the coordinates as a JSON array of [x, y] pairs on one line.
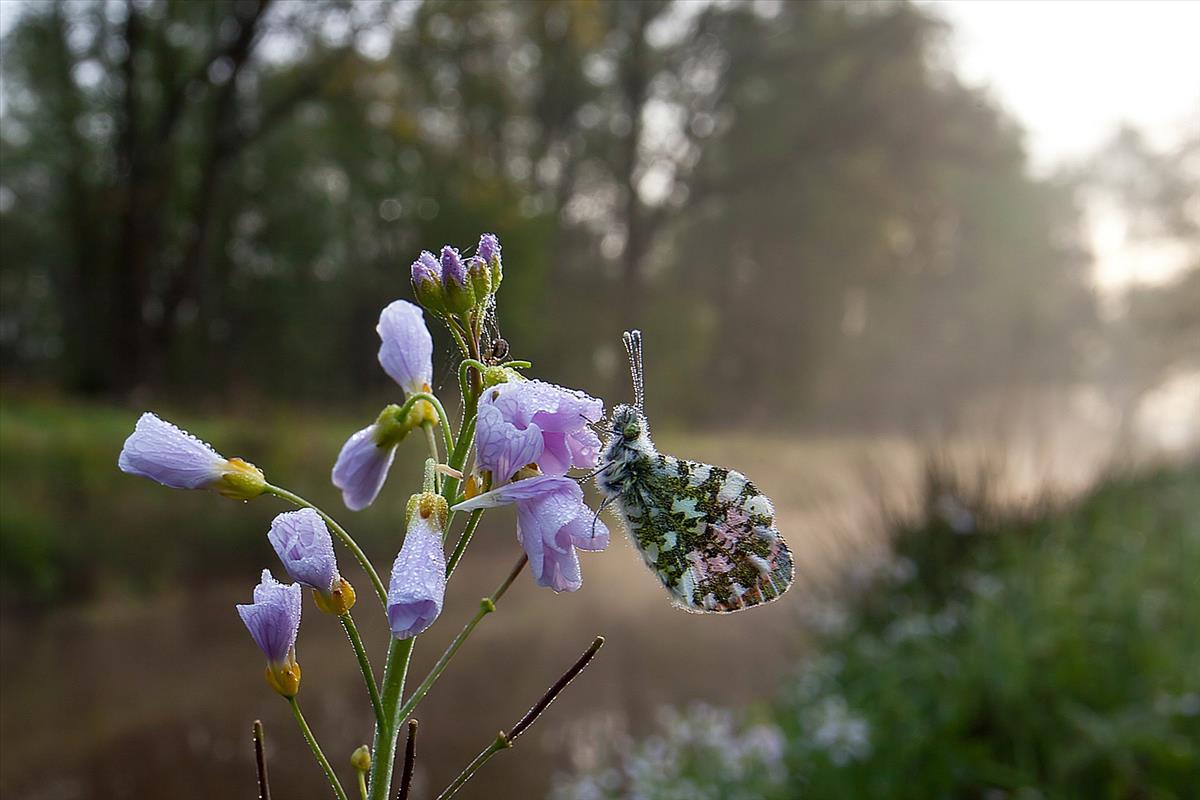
[[72, 525], [997, 655]]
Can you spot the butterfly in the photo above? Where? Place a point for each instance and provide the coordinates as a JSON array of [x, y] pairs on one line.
[[705, 531]]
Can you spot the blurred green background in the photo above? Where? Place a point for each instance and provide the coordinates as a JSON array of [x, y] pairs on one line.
[[857, 282]]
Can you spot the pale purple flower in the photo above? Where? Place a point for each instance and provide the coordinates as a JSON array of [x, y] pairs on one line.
[[418, 582], [426, 268], [489, 247], [273, 619], [524, 422], [552, 522], [305, 547], [162, 452], [453, 270], [406, 351], [361, 468]]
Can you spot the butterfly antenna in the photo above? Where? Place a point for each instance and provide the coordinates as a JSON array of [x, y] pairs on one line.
[[633, 349]]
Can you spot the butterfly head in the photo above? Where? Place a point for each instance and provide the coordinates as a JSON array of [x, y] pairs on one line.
[[628, 428]]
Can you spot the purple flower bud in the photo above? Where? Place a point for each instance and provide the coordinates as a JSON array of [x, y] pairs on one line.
[[305, 547], [427, 282], [426, 268], [361, 467], [162, 452], [552, 522], [489, 247], [460, 295], [538, 422], [273, 619], [418, 582], [480, 275], [406, 348], [453, 270]]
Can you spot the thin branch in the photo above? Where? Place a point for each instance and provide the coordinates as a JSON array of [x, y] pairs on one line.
[[410, 761], [260, 762], [504, 741], [554, 691]]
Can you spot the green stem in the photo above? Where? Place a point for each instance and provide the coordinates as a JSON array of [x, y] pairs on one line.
[[458, 459], [383, 752], [412, 399], [362, 784], [486, 606], [463, 541], [340, 532], [460, 335], [501, 742], [464, 380], [364, 664], [431, 441], [316, 750]]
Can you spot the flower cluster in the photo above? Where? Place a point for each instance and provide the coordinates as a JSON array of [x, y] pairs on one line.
[[446, 285], [524, 436], [701, 753]]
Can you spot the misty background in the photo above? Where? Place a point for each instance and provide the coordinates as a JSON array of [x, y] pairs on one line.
[[845, 245]]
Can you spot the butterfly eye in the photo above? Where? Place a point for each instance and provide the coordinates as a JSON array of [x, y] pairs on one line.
[[632, 430]]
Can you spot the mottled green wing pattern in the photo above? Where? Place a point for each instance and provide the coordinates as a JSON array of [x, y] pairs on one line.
[[707, 533]]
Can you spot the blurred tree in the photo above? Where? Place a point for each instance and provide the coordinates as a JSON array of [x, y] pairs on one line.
[[1156, 335], [796, 200], [122, 121]]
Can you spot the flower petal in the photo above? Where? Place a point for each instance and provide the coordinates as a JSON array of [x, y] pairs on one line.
[[173, 457], [361, 468], [304, 545], [418, 583], [501, 446], [406, 349], [273, 619]]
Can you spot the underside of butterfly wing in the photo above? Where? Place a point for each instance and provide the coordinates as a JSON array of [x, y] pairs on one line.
[[707, 533]]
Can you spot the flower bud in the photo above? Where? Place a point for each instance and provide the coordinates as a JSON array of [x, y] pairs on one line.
[[163, 453], [273, 620], [390, 429], [427, 282], [338, 600], [360, 759], [460, 296], [489, 251], [494, 376], [418, 582], [481, 278]]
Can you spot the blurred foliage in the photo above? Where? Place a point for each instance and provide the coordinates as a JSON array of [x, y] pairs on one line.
[[210, 201], [1029, 655], [72, 525]]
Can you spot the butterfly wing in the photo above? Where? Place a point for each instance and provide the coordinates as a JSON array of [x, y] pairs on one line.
[[707, 533]]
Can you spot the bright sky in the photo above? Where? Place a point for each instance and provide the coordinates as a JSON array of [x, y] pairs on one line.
[[1073, 70]]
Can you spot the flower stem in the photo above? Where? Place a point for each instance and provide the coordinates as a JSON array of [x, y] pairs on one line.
[[383, 752], [412, 399], [431, 441], [316, 750], [260, 762], [364, 664], [458, 458], [486, 606], [410, 761], [340, 532], [463, 541], [504, 741], [362, 784]]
